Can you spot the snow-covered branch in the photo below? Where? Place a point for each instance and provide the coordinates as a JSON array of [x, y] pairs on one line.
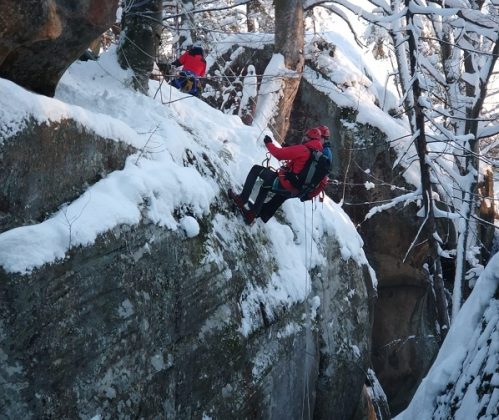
[[341, 14], [406, 199]]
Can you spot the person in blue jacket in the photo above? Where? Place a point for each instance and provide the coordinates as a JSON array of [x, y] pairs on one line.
[[326, 145]]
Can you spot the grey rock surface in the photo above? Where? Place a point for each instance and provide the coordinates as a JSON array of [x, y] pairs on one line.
[[39, 40], [144, 324], [46, 165]]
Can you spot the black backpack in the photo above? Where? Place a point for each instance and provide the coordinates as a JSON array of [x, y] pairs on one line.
[[309, 178]]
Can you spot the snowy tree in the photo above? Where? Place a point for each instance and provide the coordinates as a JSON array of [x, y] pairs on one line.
[[445, 110], [187, 24], [445, 54], [249, 94], [139, 39]]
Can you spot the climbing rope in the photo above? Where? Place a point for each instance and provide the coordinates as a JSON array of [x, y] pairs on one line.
[[308, 290]]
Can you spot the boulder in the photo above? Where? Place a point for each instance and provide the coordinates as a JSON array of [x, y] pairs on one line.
[[148, 322], [141, 325], [39, 40], [48, 164]]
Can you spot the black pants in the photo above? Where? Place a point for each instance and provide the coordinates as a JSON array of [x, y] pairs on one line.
[[263, 209], [270, 207], [267, 177]]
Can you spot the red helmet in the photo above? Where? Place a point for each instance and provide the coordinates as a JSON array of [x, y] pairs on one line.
[[313, 134], [324, 129]]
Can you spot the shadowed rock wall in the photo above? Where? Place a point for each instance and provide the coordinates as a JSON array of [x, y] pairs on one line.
[[40, 39], [399, 360], [46, 165]]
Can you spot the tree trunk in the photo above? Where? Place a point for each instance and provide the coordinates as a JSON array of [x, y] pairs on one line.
[[289, 41], [472, 151], [430, 230], [487, 213], [140, 37]]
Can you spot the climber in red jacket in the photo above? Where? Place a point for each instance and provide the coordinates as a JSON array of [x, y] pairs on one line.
[[193, 60], [193, 66], [295, 157]]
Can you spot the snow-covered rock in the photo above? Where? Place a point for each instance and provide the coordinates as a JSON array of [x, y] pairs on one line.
[[463, 382], [147, 296]]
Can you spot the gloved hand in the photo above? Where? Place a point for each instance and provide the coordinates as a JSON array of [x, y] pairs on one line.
[[267, 139], [326, 144]]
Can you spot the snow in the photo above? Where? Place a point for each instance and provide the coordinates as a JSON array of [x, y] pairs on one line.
[[270, 92], [459, 343], [187, 154], [17, 105], [179, 140], [369, 185], [250, 89], [190, 226]]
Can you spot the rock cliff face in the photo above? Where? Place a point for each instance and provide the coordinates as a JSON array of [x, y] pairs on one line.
[[39, 40], [404, 338], [40, 171], [143, 324]]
